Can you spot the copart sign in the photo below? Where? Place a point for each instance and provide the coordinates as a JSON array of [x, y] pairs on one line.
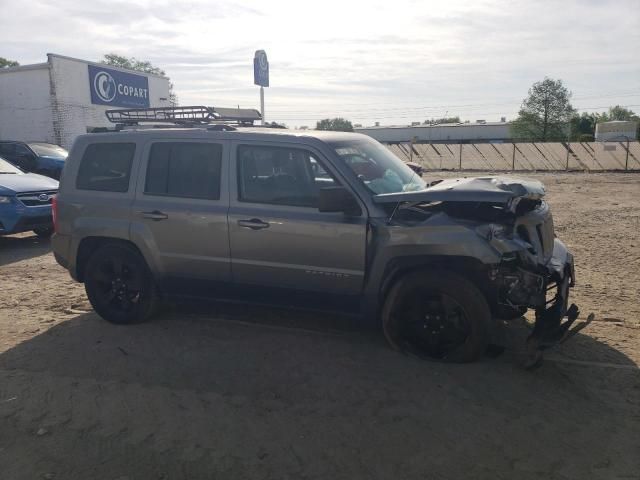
[[118, 89]]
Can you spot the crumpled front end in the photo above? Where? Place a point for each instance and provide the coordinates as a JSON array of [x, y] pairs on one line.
[[537, 272]]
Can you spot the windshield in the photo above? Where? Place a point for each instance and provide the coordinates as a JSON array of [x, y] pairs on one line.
[[6, 167], [377, 168], [49, 150]]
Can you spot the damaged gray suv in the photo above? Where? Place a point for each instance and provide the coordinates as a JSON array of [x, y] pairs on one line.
[[309, 219]]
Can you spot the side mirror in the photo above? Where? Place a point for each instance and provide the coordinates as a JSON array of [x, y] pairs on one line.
[[416, 167], [338, 199]]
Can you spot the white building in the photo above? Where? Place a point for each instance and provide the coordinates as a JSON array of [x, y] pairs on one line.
[[64, 97], [443, 133], [617, 130]]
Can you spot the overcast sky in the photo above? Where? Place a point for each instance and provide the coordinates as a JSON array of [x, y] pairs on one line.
[[394, 62]]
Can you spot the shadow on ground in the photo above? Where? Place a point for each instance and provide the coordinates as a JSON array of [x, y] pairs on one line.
[[15, 248], [208, 396]]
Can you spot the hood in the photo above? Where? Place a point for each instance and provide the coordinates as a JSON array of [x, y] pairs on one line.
[[476, 189], [26, 182]]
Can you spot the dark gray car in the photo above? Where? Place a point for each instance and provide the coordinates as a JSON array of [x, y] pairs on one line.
[[263, 214]]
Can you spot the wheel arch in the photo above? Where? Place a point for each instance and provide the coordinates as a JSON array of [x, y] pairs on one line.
[[90, 244], [469, 267]]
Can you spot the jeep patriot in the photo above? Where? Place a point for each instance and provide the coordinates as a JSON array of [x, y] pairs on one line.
[[259, 214]]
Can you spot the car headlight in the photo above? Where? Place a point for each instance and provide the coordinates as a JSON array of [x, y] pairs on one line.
[[492, 230], [4, 199]]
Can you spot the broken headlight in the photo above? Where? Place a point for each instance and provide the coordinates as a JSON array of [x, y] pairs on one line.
[[493, 230]]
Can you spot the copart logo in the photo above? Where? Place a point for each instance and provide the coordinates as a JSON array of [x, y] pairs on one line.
[[104, 86]]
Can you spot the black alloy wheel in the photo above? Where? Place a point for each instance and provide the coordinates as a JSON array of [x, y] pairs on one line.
[[119, 284], [437, 315]]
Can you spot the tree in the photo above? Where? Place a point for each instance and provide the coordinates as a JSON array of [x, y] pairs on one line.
[[545, 113], [583, 126], [438, 121], [335, 124], [145, 66], [6, 63], [619, 113]]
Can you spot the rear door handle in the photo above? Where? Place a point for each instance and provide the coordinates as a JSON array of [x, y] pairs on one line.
[[155, 215], [253, 224]]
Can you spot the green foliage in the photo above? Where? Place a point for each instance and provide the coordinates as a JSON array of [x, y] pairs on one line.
[[545, 113], [586, 137], [619, 113], [144, 66], [335, 124], [131, 63], [6, 63], [437, 121], [583, 124]]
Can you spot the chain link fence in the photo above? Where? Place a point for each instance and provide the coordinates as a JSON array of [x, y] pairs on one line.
[[523, 156]]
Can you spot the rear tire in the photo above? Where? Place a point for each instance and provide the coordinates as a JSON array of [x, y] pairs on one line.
[[437, 315], [120, 285]]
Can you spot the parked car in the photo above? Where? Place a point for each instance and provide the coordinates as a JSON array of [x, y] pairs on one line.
[[35, 157], [25, 201], [306, 218]]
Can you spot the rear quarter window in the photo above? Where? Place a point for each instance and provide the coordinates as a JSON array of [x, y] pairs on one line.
[[106, 167]]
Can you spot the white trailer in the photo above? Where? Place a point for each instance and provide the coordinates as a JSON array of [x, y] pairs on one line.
[[617, 130]]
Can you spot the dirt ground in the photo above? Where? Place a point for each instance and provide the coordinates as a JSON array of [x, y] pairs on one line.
[[227, 392]]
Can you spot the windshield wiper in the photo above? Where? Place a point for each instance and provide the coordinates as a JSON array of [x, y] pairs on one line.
[[8, 173]]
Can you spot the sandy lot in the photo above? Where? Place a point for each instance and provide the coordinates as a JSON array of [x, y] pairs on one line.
[[242, 392]]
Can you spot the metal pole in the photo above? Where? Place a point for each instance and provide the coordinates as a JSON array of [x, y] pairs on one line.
[[513, 160], [568, 148], [262, 104], [460, 160], [626, 161]]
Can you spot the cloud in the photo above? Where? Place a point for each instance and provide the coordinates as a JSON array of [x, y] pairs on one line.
[[387, 61]]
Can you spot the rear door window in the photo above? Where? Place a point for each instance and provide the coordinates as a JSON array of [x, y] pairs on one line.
[[106, 167], [184, 169]]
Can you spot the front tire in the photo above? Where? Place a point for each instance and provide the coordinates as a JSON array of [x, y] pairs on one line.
[[437, 315], [120, 285]]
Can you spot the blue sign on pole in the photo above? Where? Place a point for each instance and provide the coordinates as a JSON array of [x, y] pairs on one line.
[[118, 89], [260, 69]]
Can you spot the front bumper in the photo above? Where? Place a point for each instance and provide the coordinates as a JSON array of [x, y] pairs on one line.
[[16, 219], [546, 289]]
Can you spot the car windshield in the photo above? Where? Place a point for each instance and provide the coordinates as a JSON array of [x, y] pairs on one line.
[[49, 150], [377, 168], [7, 168]]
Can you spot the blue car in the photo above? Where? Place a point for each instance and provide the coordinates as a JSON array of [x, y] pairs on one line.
[[35, 157], [25, 201]]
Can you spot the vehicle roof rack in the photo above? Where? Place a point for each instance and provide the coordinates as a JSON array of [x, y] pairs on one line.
[[184, 116]]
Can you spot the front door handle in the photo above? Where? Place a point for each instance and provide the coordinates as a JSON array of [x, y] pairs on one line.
[[155, 215], [253, 224]]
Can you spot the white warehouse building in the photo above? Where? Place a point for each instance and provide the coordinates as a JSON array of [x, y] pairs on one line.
[[64, 97], [443, 133]]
